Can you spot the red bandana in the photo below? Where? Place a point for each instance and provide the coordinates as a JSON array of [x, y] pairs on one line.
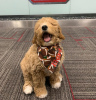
[[50, 56]]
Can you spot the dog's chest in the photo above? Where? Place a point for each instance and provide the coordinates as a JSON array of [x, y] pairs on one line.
[[50, 57]]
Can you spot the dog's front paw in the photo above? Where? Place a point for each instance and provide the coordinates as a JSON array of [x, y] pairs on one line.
[[41, 92], [56, 85], [28, 89], [43, 95]]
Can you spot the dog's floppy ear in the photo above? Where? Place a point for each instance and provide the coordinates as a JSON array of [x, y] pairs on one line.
[[35, 36], [61, 36], [34, 39]]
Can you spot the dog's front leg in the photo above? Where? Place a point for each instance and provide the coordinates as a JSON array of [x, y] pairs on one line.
[[27, 87], [39, 84]]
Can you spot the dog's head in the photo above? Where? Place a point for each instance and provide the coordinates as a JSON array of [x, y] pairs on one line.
[[47, 32]]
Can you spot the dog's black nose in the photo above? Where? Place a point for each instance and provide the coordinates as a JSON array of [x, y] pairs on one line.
[[44, 27]]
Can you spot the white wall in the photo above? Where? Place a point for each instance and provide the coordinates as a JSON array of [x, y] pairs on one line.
[[14, 7], [83, 6], [24, 7], [37, 9]]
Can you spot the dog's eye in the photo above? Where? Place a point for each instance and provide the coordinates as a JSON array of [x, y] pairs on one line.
[[54, 24]]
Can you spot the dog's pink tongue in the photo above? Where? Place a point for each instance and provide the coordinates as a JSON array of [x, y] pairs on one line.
[[46, 37]]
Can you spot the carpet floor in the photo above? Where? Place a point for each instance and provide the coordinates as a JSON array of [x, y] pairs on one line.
[[78, 69]]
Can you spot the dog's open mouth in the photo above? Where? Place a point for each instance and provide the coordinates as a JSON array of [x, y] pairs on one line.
[[47, 37]]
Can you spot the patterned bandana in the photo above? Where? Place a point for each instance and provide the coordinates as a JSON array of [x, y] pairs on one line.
[[50, 56]]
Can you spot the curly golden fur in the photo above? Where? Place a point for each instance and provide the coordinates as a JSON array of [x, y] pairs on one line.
[[33, 69]]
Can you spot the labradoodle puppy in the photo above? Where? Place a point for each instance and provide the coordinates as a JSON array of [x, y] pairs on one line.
[[44, 58]]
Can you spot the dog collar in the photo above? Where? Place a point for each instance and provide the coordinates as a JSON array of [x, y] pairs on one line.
[[50, 56]]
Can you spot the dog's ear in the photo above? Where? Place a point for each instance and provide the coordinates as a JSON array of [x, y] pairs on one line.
[[35, 36], [61, 36], [34, 39]]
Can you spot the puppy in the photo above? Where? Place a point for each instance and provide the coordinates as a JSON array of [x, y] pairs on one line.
[[44, 58]]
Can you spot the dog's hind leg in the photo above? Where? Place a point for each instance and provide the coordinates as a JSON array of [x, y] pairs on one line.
[[55, 79]]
